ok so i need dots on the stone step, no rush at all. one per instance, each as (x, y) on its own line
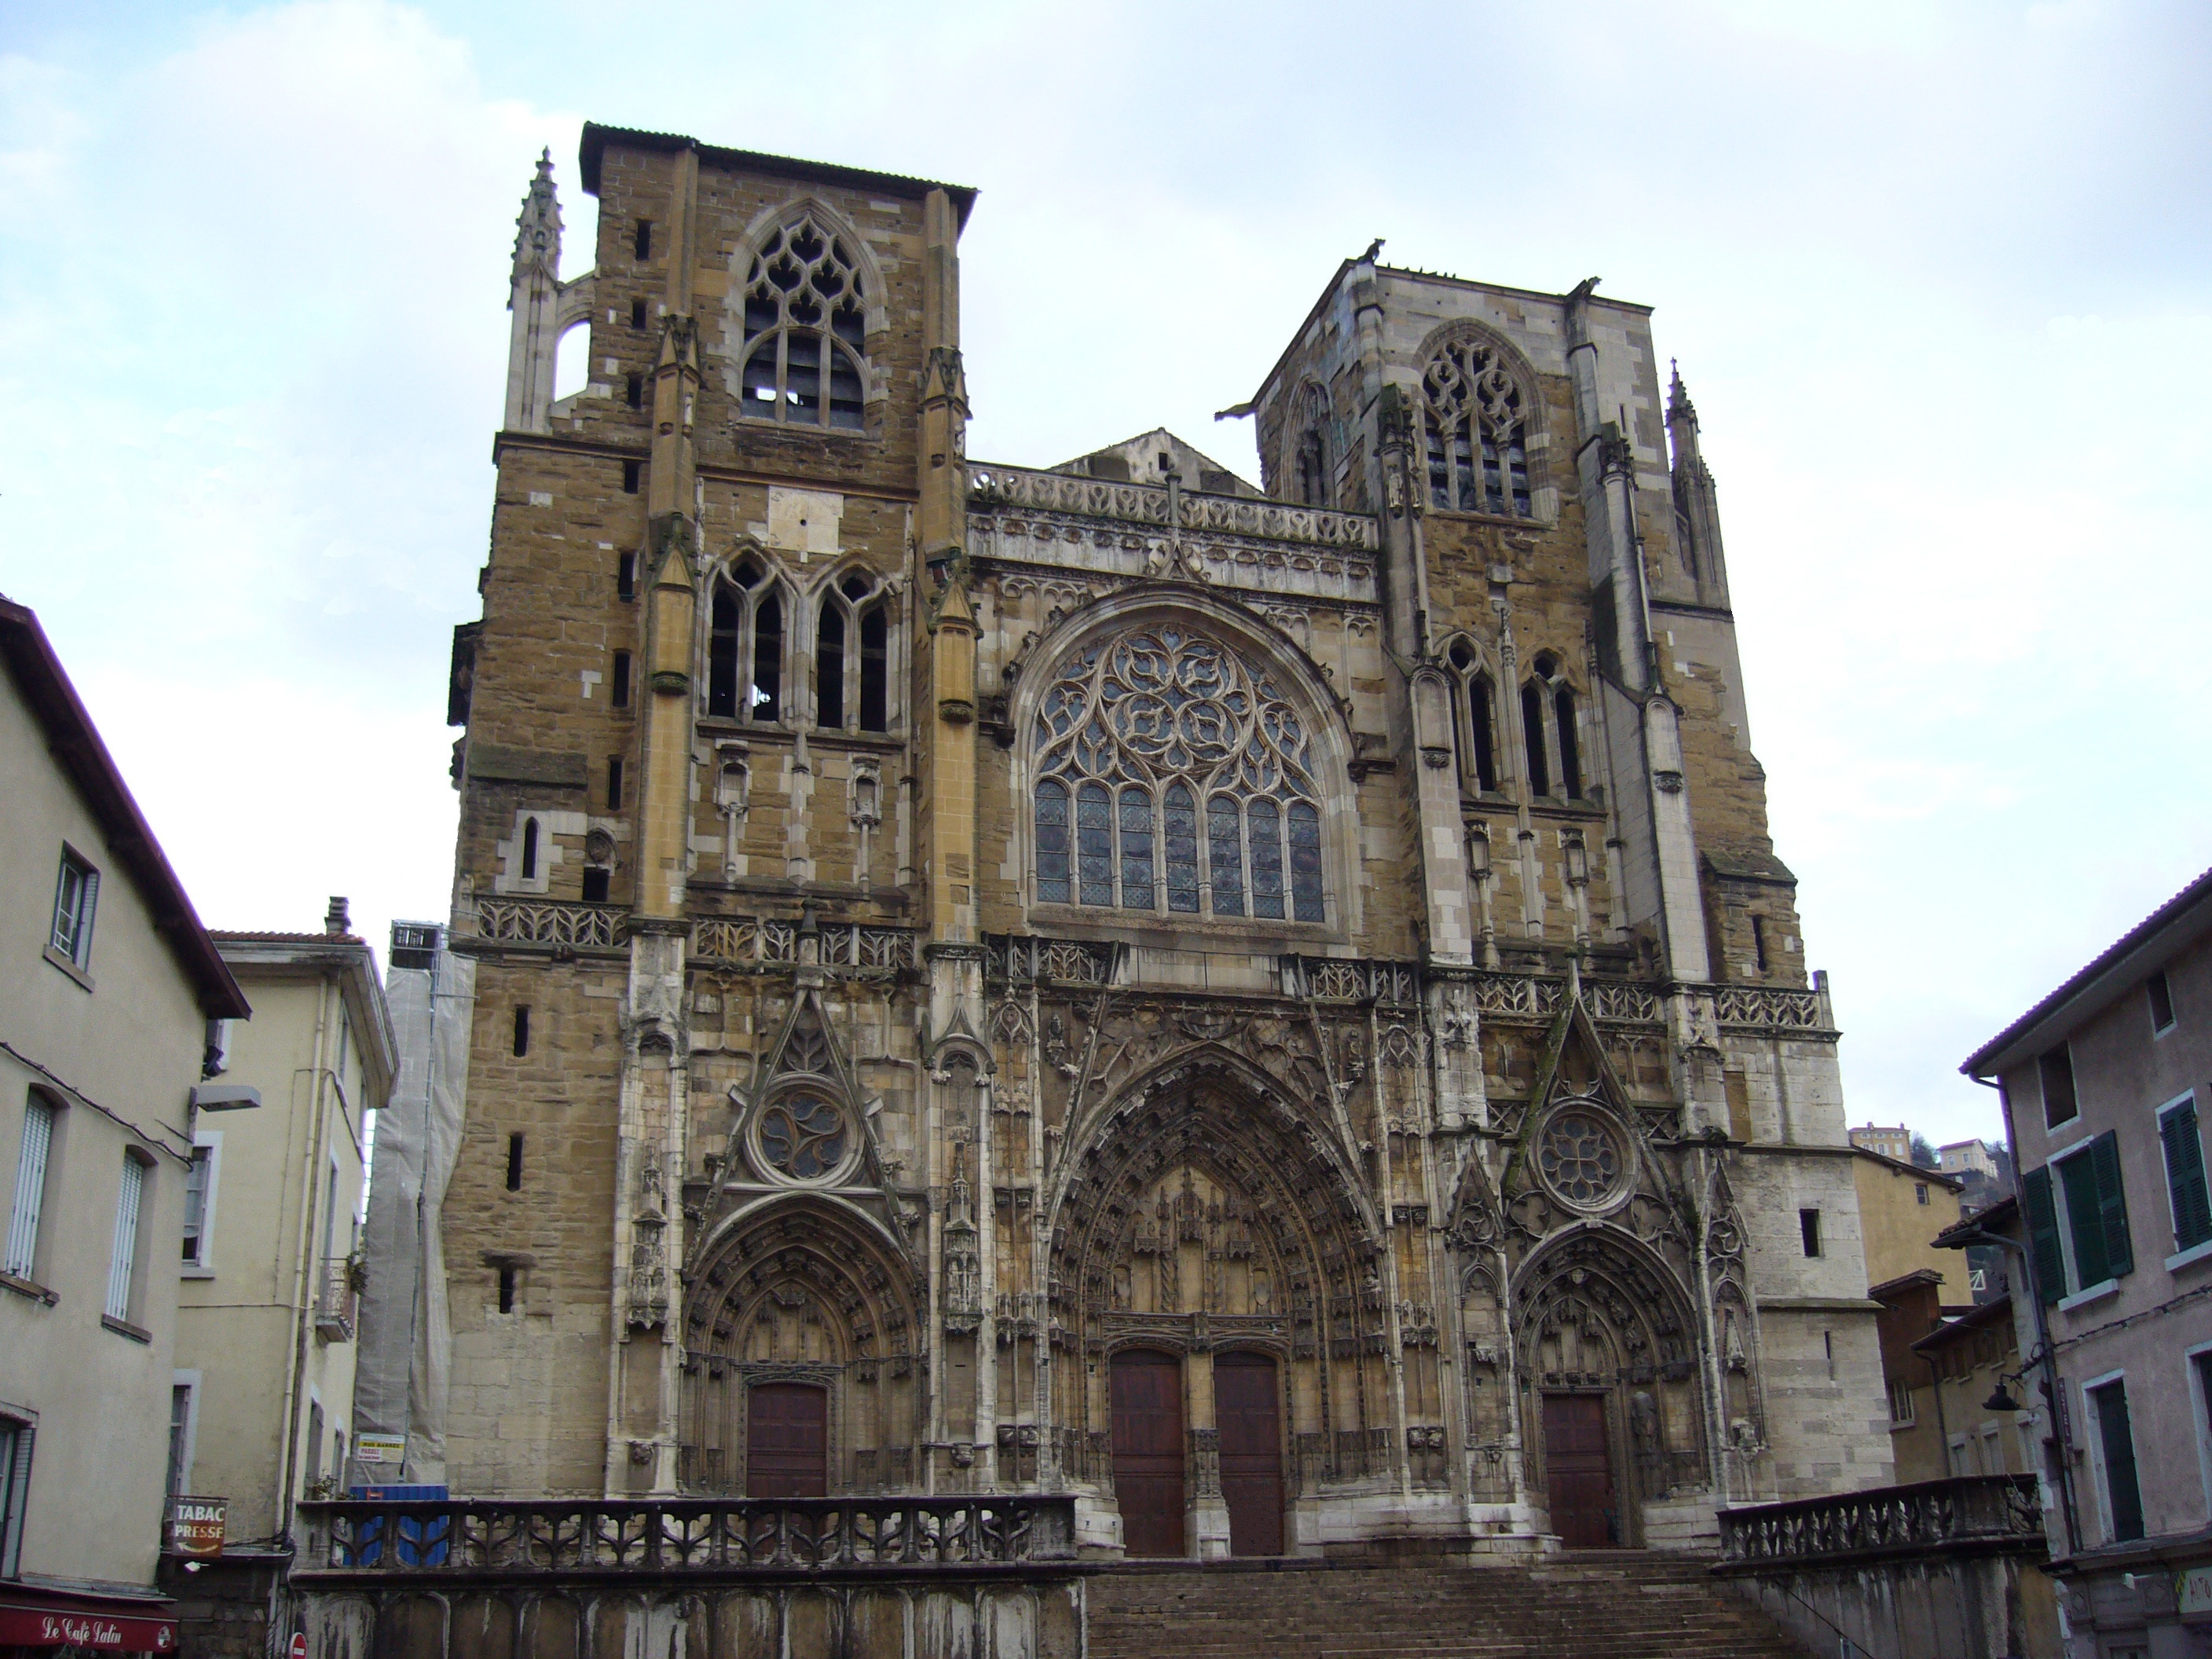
(1620, 1606)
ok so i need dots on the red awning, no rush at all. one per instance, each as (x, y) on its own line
(85, 1621)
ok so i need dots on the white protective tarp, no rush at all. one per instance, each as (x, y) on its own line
(406, 1335)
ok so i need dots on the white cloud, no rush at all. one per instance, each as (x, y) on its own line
(1935, 276)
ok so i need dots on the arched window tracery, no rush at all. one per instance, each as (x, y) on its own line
(851, 656)
(1476, 421)
(1550, 730)
(1478, 699)
(805, 360)
(1140, 731)
(745, 646)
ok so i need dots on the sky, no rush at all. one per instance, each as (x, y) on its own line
(1937, 275)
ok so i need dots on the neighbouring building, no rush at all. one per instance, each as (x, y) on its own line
(270, 1269)
(1271, 1009)
(1942, 1365)
(2099, 1083)
(109, 985)
(1902, 1207)
(1890, 1142)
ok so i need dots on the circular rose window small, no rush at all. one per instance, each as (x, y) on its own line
(1580, 1159)
(803, 1137)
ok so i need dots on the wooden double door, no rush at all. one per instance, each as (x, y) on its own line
(1150, 1451)
(787, 1440)
(1578, 1472)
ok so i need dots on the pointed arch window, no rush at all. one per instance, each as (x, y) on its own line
(805, 332)
(1143, 735)
(1310, 458)
(1476, 420)
(1550, 727)
(745, 646)
(851, 656)
(1478, 713)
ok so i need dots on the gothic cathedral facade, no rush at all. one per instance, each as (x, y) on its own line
(1271, 1010)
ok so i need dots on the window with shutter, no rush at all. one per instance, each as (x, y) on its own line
(2116, 1447)
(2184, 1174)
(15, 1438)
(31, 1160)
(122, 1265)
(2036, 1201)
(2112, 1205)
(2085, 1219)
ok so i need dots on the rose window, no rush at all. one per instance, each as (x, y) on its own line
(1173, 773)
(1580, 1159)
(803, 1137)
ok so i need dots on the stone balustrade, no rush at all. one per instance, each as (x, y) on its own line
(1034, 491)
(1990, 1509)
(663, 1536)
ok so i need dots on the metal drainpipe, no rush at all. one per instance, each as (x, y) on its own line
(2050, 1367)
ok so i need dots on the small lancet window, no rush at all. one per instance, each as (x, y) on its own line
(829, 666)
(875, 669)
(744, 646)
(1532, 722)
(1475, 424)
(530, 849)
(805, 332)
(1481, 759)
(1571, 764)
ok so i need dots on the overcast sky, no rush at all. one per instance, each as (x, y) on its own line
(1937, 276)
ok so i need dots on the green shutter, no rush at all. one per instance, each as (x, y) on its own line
(2112, 1200)
(2185, 1176)
(2085, 1217)
(2043, 1234)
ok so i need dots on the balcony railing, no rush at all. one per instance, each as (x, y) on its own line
(336, 1300)
(1977, 1511)
(688, 1535)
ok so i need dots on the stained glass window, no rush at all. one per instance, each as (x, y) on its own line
(1142, 727)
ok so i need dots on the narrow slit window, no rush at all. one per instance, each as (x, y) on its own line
(1182, 827)
(626, 577)
(829, 666)
(1304, 822)
(1758, 943)
(614, 783)
(632, 476)
(634, 391)
(1094, 844)
(637, 318)
(618, 687)
(1570, 762)
(722, 656)
(1808, 1230)
(767, 660)
(506, 1289)
(1225, 856)
(522, 1030)
(1532, 722)
(1482, 718)
(642, 239)
(1052, 847)
(530, 849)
(1136, 850)
(595, 884)
(875, 669)
(514, 1164)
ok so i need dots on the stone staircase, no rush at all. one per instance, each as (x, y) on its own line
(1614, 1604)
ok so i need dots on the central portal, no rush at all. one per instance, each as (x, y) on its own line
(1246, 1412)
(787, 1441)
(1148, 1451)
(1578, 1472)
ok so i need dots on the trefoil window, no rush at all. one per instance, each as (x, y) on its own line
(852, 657)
